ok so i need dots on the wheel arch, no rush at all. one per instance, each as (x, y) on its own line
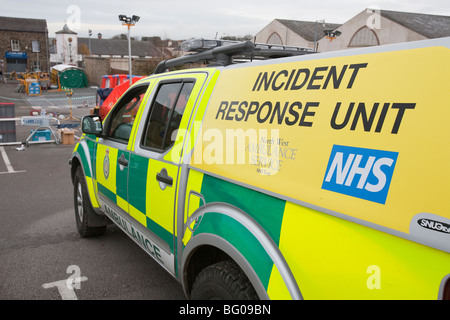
(222, 247)
(83, 156)
(77, 162)
(74, 162)
(206, 249)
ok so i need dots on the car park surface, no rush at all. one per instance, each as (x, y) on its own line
(39, 243)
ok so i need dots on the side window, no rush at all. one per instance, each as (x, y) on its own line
(122, 118)
(15, 45)
(166, 114)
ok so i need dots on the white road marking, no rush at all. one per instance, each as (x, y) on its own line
(6, 159)
(66, 287)
(66, 292)
(7, 162)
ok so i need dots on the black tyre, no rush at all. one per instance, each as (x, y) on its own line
(223, 281)
(83, 208)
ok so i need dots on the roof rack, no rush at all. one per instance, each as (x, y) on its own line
(225, 52)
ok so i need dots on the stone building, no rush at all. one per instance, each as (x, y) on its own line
(294, 33)
(373, 27)
(370, 27)
(116, 48)
(68, 48)
(24, 44)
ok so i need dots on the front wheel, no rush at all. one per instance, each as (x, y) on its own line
(83, 208)
(223, 281)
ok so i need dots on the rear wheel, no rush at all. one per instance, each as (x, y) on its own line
(223, 281)
(83, 209)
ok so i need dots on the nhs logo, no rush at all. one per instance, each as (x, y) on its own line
(360, 173)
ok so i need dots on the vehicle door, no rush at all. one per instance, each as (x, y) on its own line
(113, 155)
(154, 164)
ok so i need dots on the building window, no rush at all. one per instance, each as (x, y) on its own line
(15, 45)
(35, 46)
(274, 39)
(364, 37)
(36, 66)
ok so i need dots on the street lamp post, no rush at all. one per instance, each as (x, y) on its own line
(129, 22)
(90, 34)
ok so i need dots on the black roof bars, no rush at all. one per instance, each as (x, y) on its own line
(223, 54)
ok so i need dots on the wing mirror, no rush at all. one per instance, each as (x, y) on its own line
(92, 124)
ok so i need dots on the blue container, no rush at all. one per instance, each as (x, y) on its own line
(34, 88)
(41, 135)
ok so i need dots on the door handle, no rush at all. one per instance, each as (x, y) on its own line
(122, 161)
(163, 177)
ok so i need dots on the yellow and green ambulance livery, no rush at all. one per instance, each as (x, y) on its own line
(321, 176)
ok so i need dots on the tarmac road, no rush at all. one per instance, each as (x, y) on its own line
(39, 245)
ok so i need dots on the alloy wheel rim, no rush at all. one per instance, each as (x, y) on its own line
(80, 202)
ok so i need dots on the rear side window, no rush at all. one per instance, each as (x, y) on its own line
(166, 113)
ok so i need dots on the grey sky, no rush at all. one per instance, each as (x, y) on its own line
(181, 19)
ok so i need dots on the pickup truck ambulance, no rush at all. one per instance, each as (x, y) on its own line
(319, 176)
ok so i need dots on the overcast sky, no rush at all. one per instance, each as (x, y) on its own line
(182, 19)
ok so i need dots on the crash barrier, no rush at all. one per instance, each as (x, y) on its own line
(43, 131)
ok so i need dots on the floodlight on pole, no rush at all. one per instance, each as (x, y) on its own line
(90, 34)
(129, 22)
(332, 34)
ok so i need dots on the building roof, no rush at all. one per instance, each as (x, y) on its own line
(428, 25)
(309, 30)
(117, 47)
(23, 25)
(65, 30)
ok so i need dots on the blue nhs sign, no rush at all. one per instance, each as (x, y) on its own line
(361, 173)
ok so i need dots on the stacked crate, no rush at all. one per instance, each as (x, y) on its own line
(7, 123)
